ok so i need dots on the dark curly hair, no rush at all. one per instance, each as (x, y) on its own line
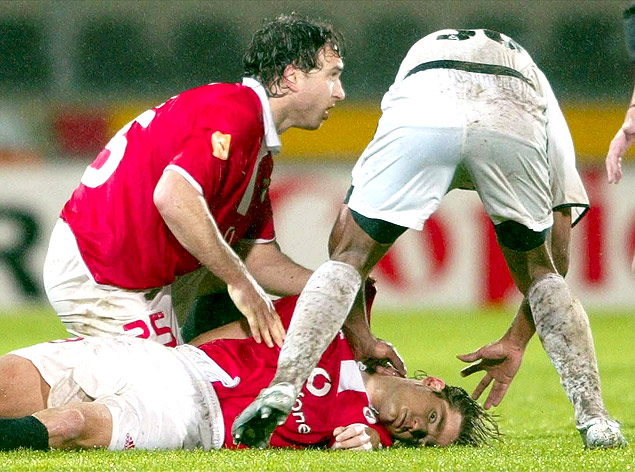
(478, 427)
(288, 40)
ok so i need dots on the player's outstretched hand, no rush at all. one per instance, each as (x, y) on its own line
(355, 437)
(257, 307)
(383, 357)
(500, 360)
(621, 143)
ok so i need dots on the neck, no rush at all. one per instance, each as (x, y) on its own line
(375, 387)
(280, 113)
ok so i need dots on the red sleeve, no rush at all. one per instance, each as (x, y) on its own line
(196, 159)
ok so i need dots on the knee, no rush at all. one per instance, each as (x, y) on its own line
(22, 389)
(548, 294)
(67, 427)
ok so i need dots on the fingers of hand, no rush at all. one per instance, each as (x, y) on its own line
(394, 359)
(263, 328)
(270, 327)
(399, 365)
(471, 369)
(483, 384)
(389, 369)
(278, 330)
(471, 357)
(353, 437)
(496, 395)
(254, 327)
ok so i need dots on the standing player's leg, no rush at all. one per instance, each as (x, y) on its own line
(563, 328)
(320, 312)
(513, 181)
(398, 182)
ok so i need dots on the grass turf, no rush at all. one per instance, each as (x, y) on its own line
(535, 416)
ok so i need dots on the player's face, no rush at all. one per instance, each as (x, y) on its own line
(416, 415)
(318, 90)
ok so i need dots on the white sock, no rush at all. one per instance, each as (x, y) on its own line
(319, 314)
(563, 328)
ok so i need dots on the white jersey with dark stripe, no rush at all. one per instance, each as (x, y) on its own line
(476, 45)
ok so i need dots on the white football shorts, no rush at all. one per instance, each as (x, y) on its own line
(87, 308)
(155, 398)
(443, 129)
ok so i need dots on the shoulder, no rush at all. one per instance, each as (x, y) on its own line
(219, 93)
(232, 105)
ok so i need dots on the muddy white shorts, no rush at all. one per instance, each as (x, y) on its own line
(156, 396)
(442, 129)
(87, 308)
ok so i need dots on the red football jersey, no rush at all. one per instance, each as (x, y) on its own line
(334, 395)
(212, 135)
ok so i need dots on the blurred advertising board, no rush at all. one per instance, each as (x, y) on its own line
(453, 262)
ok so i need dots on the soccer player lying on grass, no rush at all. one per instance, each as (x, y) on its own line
(123, 393)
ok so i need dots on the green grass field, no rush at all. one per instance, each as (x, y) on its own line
(536, 417)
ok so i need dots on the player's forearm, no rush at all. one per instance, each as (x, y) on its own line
(186, 214)
(356, 327)
(522, 328)
(275, 271)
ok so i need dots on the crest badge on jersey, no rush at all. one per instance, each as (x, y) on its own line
(220, 145)
(369, 415)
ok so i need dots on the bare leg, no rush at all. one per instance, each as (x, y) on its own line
(563, 328)
(319, 314)
(23, 391)
(81, 425)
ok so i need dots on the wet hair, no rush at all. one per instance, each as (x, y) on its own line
(288, 40)
(478, 427)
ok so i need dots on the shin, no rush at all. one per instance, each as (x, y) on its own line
(563, 328)
(320, 312)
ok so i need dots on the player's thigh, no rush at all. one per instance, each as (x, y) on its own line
(160, 410)
(23, 391)
(405, 172)
(354, 243)
(111, 312)
(150, 396)
(511, 177)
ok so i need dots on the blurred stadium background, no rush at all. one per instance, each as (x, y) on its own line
(73, 72)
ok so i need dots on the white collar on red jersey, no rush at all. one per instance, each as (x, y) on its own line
(272, 140)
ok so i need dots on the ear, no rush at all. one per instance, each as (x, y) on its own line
(433, 383)
(290, 77)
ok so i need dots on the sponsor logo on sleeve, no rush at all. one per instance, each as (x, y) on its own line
(369, 415)
(220, 145)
